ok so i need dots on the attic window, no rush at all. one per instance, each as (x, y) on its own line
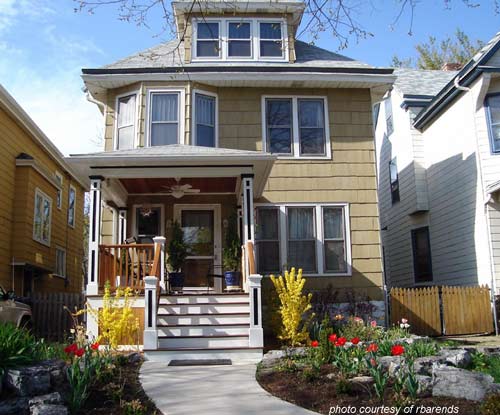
(239, 39)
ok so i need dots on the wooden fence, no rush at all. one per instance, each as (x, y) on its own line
(445, 310)
(50, 319)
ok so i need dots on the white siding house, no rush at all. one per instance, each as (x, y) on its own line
(443, 226)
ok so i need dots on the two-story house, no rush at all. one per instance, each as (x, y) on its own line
(438, 155)
(41, 209)
(235, 114)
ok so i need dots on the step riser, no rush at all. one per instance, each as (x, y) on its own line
(203, 308)
(205, 342)
(236, 356)
(173, 320)
(202, 331)
(220, 299)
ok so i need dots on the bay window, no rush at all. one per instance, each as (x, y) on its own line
(42, 218)
(164, 118)
(125, 122)
(493, 119)
(296, 126)
(315, 238)
(205, 115)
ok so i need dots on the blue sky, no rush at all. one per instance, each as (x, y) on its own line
(44, 44)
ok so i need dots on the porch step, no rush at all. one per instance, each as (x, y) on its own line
(206, 308)
(201, 342)
(238, 355)
(203, 330)
(204, 299)
(203, 319)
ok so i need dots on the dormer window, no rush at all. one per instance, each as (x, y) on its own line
(125, 122)
(239, 39)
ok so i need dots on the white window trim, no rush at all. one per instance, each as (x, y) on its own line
(72, 188)
(59, 179)
(255, 40)
(181, 112)
(38, 192)
(295, 127)
(136, 117)
(320, 264)
(56, 274)
(216, 119)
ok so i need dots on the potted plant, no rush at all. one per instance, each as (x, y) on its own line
(231, 256)
(177, 253)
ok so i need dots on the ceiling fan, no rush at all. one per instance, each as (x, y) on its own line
(178, 190)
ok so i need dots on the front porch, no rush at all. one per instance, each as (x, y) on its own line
(142, 194)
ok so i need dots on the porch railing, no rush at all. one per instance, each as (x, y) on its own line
(247, 263)
(126, 265)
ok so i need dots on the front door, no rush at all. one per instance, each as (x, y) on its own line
(201, 227)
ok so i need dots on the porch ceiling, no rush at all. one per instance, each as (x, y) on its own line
(205, 185)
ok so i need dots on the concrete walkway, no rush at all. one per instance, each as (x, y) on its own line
(210, 390)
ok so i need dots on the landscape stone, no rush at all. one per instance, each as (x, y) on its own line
(134, 357)
(456, 357)
(29, 380)
(390, 363)
(45, 409)
(423, 365)
(15, 406)
(361, 384)
(454, 382)
(49, 399)
(424, 386)
(272, 358)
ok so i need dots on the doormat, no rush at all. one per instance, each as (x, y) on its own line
(201, 362)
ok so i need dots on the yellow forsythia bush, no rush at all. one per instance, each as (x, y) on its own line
(116, 319)
(293, 307)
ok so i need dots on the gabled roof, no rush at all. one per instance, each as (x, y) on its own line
(421, 82)
(464, 78)
(171, 55)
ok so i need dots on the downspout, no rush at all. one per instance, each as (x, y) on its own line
(457, 85)
(90, 98)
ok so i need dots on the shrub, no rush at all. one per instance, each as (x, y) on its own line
(293, 308)
(356, 327)
(422, 349)
(486, 364)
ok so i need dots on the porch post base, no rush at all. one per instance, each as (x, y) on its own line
(150, 339)
(92, 289)
(256, 337)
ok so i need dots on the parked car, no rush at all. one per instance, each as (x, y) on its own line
(14, 311)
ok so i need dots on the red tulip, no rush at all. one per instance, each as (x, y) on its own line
(71, 349)
(397, 350)
(332, 338)
(341, 341)
(355, 340)
(372, 348)
(314, 343)
(95, 346)
(80, 352)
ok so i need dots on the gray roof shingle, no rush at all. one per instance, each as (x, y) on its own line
(421, 82)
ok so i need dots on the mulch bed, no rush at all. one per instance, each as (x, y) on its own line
(107, 397)
(321, 394)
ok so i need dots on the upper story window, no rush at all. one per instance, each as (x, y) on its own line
(71, 206)
(59, 179)
(239, 39)
(165, 117)
(394, 180)
(297, 126)
(42, 218)
(125, 122)
(205, 119)
(493, 111)
(388, 116)
(60, 262)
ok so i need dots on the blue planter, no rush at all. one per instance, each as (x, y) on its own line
(233, 279)
(176, 280)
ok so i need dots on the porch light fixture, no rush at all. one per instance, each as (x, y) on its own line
(146, 210)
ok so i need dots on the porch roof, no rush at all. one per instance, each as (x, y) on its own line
(176, 160)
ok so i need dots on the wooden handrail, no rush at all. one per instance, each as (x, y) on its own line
(251, 258)
(128, 246)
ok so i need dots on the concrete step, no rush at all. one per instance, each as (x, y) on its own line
(204, 299)
(208, 308)
(203, 330)
(203, 342)
(238, 355)
(205, 319)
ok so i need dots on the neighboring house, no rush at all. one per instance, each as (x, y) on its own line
(438, 150)
(237, 115)
(41, 209)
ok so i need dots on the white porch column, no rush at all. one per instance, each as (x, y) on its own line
(247, 211)
(256, 333)
(150, 331)
(122, 225)
(94, 235)
(160, 241)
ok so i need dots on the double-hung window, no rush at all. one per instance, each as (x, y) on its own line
(60, 262)
(59, 180)
(208, 40)
(388, 116)
(125, 122)
(42, 218)
(422, 263)
(164, 118)
(239, 40)
(314, 238)
(267, 240)
(271, 39)
(296, 126)
(493, 111)
(205, 115)
(394, 180)
(71, 206)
